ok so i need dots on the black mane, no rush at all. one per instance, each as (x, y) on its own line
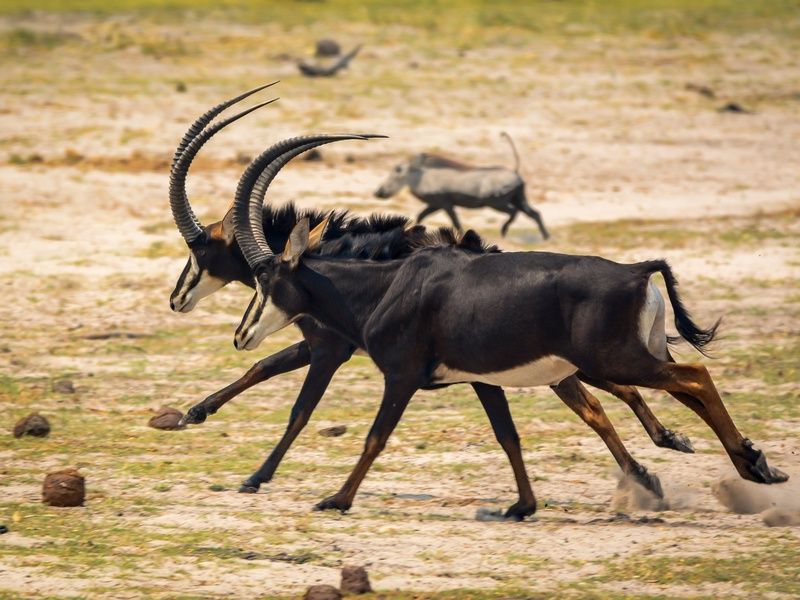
(376, 237)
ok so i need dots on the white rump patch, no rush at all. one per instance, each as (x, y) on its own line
(548, 370)
(652, 331)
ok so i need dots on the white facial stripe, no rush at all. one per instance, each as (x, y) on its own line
(196, 286)
(548, 370)
(262, 319)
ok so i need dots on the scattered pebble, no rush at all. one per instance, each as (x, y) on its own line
(328, 47)
(703, 90)
(322, 592)
(34, 424)
(64, 386)
(734, 107)
(64, 488)
(180, 87)
(334, 431)
(3, 529)
(355, 580)
(215, 487)
(314, 155)
(167, 418)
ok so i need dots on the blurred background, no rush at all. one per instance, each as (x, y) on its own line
(645, 130)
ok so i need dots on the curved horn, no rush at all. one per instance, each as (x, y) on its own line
(188, 224)
(247, 215)
(208, 116)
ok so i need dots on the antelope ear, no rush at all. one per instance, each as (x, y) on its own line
(316, 234)
(297, 244)
(227, 226)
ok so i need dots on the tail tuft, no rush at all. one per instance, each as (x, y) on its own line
(698, 337)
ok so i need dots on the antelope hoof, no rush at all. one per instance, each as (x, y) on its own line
(757, 468)
(648, 481)
(195, 415)
(333, 503)
(249, 486)
(675, 441)
(519, 510)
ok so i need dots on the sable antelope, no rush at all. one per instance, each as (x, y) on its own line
(451, 314)
(215, 260)
(317, 70)
(443, 184)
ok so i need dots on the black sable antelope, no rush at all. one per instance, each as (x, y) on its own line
(452, 313)
(215, 260)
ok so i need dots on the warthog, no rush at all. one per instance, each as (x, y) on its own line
(443, 184)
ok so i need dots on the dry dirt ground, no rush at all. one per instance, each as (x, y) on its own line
(620, 158)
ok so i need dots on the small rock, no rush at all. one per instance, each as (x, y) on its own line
(3, 529)
(349, 159)
(703, 90)
(180, 87)
(64, 386)
(243, 158)
(166, 418)
(313, 155)
(355, 580)
(215, 487)
(34, 424)
(334, 431)
(734, 107)
(322, 592)
(328, 47)
(780, 517)
(64, 488)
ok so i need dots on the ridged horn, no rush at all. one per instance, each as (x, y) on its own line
(247, 212)
(188, 224)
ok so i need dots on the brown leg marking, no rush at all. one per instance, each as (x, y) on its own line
(589, 409)
(661, 436)
(495, 404)
(692, 385)
(396, 396)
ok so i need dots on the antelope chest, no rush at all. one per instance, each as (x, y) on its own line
(548, 370)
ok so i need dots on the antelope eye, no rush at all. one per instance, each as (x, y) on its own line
(200, 252)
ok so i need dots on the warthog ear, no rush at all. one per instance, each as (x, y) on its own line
(297, 244)
(316, 234)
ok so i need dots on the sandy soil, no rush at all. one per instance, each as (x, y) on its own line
(612, 146)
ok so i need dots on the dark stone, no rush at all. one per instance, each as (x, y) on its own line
(180, 87)
(322, 592)
(703, 90)
(34, 424)
(64, 386)
(3, 529)
(64, 488)
(355, 580)
(736, 108)
(328, 47)
(166, 418)
(334, 431)
(313, 155)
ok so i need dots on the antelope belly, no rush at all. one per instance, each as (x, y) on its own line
(547, 370)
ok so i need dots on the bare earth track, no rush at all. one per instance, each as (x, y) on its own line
(620, 158)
